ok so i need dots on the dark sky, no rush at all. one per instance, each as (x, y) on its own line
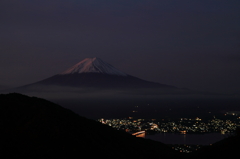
(185, 43)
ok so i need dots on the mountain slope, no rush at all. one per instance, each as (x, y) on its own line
(99, 80)
(35, 128)
(93, 72)
(226, 148)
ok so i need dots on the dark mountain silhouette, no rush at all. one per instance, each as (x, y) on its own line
(31, 127)
(93, 72)
(226, 148)
(99, 80)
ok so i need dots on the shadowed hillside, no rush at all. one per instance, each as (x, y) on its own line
(227, 148)
(35, 128)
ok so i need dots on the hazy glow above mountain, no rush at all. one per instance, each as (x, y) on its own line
(93, 65)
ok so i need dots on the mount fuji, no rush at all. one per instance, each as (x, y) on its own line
(95, 73)
(96, 89)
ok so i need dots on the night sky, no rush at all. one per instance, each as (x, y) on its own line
(191, 44)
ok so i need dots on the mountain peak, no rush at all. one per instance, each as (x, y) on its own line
(93, 65)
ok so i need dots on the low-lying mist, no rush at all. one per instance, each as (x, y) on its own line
(140, 103)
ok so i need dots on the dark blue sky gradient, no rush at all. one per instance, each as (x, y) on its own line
(187, 43)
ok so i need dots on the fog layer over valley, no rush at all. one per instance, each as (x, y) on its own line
(141, 103)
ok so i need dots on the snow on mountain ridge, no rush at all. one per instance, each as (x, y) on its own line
(93, 65)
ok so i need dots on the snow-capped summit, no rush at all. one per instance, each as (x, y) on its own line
(93, 65)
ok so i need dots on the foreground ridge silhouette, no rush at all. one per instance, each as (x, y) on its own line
(226, 148)
(31, 127)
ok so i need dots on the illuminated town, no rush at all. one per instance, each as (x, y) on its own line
(183, 125)
(140, 127)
